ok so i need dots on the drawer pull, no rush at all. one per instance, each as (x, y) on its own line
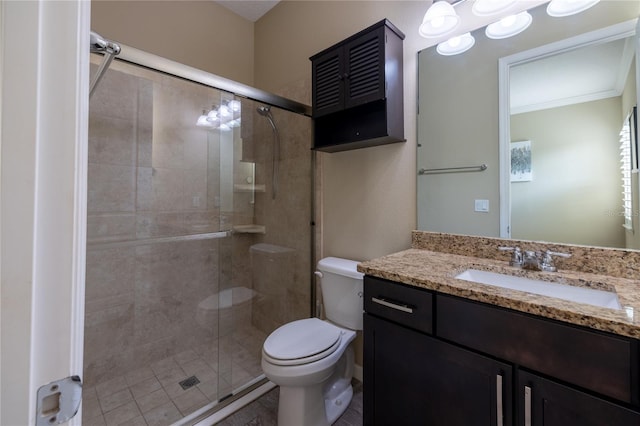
(399, 307)
(527, 406)
(500, 413)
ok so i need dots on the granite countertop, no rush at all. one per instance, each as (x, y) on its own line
(434, 270)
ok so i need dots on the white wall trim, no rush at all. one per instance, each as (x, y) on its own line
(603, 35)
(44, 142)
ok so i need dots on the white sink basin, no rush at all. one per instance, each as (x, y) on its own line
(605, 299)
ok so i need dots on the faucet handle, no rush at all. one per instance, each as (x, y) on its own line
(547, 260)
(516, 258)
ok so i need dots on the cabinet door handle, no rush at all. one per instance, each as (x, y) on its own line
(397, 306)
(499, 409)
(527, 406)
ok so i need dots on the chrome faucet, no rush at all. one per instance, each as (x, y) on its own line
(546, 264)
(533, 260)
(516, 257)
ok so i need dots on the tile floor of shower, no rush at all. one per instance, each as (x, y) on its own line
(152, 395)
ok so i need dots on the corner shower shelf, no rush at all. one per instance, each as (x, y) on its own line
(248, 187)
(250, 229)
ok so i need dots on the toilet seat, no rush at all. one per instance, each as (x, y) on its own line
(301, 342)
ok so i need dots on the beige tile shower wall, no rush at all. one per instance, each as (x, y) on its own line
(148, 163)
(201, 34)
(281, 273)
(368, 195)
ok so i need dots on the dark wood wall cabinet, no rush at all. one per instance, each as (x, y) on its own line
(440, 360)
(358, 91)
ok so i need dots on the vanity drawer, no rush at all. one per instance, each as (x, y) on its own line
(409, 306)
(601, 362)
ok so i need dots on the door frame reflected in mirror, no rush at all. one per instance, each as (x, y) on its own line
(604, 35)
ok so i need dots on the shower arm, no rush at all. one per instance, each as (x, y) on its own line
(109, 49)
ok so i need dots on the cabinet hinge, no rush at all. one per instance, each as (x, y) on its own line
(58, 401)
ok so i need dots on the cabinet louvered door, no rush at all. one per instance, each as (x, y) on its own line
(364, 73)
(328, 78)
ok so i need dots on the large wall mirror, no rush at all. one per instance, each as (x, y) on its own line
(554, 98)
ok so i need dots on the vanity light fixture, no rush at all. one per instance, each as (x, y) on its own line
(223, 117)
(441, 19)
(456, 45)
(509, 26)
(560, 8)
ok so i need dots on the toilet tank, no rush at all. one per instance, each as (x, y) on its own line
(341, 286)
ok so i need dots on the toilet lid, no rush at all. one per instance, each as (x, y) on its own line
(302, 339)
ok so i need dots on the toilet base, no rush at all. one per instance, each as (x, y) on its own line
(300, 407)
(336, 406)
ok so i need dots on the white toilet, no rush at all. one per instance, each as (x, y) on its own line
(312, 360)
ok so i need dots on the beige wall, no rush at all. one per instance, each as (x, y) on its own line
(201, 34)
(368, 195)
(576, 175)
(459, 117)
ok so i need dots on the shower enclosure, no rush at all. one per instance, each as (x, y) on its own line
(199, 242)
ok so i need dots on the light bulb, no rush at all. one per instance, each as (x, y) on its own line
(202, 120)
(224, 111)
(234, 105)
(437, 22)
(508, 21)
(509, 26)
(456, 45)
(560, 8)
(440, 19)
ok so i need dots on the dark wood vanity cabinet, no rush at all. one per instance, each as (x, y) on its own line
(357, 90)
(436, 359)
(414, 379)
(543, 402)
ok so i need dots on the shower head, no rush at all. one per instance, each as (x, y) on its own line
(264, 111)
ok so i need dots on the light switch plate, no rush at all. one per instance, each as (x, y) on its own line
(482, 206)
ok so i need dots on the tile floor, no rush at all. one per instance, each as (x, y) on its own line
(152, 395)
(264, 411)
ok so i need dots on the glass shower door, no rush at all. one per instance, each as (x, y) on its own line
(160, 211)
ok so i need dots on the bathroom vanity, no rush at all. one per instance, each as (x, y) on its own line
(440, 350)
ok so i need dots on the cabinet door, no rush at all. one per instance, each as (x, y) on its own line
(413, 379)
(365, 68)
(328, 82)
(542, 402)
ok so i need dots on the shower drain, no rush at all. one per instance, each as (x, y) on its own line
(189, 382)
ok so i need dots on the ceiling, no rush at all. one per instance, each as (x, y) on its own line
(586, 74)
(249, 9)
